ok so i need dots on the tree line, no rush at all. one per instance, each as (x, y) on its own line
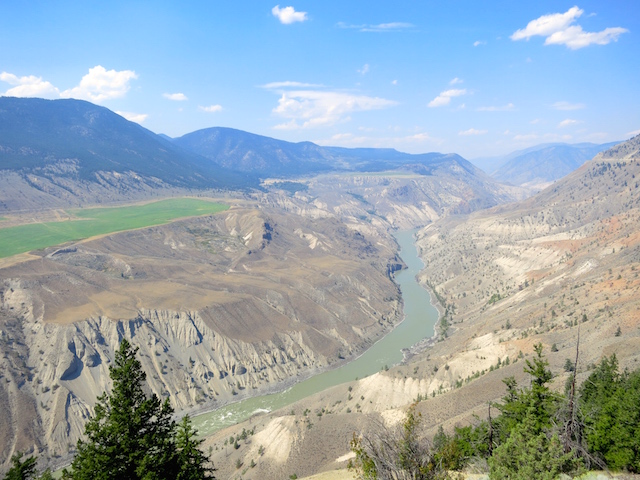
(535, 432)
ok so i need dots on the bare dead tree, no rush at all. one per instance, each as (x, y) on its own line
(570, 424)
(573, 427)
(395, 453)
(490, 432)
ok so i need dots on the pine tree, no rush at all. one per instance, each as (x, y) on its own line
(21, 470)
(131, 435)
(529, 453)
(610, 408)
(192, 462)
(528, 447)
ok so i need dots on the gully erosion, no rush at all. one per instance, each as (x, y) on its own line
(420, 317)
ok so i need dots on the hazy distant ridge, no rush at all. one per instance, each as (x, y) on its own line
(250, 153)
(540, 165)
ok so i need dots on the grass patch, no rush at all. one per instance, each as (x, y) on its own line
(89, 222)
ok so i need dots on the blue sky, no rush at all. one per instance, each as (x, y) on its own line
(474, 77)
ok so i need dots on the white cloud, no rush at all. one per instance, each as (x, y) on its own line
(445, 97)
(568, 106)
(387, 27)
(477, 43)
(456, 81)
(634, 133)
(30, 86)
(313, 108)
(394, 82)
(380, 27)
(574, 38)
(290, 84)
(96, 86)
(101, 84)
(558, 30)
(473, 131)
(421, 137)
(177, 97)
(133, 117)
(568, 122)
(535, 121)
(548, 24)
(364, 70)
(210, 108)
(493, 108)
(288, 15)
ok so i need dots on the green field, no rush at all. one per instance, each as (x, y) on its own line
(89, 222)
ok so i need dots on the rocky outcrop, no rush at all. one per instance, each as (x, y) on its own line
(64, 368)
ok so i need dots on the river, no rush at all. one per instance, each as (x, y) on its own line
(419, 321)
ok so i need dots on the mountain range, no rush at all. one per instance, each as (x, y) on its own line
(540, 165)
(265, 156)
(65, 140)
(37, 134)
(56, 153)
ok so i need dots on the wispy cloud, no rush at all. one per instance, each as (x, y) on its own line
(133, 117)
(473, 131)
(568, 122)
(364, 70)
(96, 86)
(494, 108)
(477, 43)
(210, 108)
(314, 108)
(445, 97)
(288, 15)
(568, 106)
(176, 97)
(380, 27)
(634, 133)
(558, 29)
(290, 84)
(456, 81)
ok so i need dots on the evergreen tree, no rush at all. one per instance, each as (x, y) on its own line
(529, 453)
(193, 463)
(21, 470)
(610, 407)
(528, 447)
(25, 470)
(537, 401)
(131, 435)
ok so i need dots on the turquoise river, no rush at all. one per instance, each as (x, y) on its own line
(420, 317)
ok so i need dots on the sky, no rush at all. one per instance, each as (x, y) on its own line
(478, 78)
